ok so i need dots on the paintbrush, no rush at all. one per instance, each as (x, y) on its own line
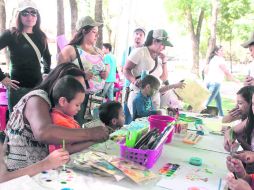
(64, 168)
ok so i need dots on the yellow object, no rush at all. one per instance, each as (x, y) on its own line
(194, 94)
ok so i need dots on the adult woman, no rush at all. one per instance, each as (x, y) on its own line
(214, 75)
(240, 112)
(30, 128)
(149, 58)
(82, 51)
(27, 44)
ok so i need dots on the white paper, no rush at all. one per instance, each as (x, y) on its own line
(21, 183)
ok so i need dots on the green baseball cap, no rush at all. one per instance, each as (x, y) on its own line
(87, 21)
(162, 35)
(249, 42)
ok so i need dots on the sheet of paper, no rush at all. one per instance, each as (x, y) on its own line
(194, 94)
(21, 183)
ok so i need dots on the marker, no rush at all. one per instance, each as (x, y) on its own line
(64, 149)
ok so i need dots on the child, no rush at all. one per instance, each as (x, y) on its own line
(110, 60)
(68, 94)
(53, 160)
(111, 114)
(142, 103)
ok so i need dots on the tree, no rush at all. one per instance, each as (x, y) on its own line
(74, 15)
(60, 19)
(98, 18)
(212, 38)
(230, 12)
(192, 12)
(3, 16)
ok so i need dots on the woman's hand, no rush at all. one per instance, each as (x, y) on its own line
(249, 81)
(7, 82)
(99, 134)
(235, 165)
(56, 159)
(180, 85)
(235, 113)
(229, 143)
(238, 184)
(245, 156)
(163, 58)
(89, 75)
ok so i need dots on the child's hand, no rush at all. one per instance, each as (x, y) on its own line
(57, 158)
(245, 156)
(238, 184)
(235, 165)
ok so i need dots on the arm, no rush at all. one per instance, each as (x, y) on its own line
(172, 86)
(67, 54)
(127, 71)
(37, 114)
(47, 60)
(227, 73)
(233, 115)
(164, 75)
(53, 160)
(77, 147)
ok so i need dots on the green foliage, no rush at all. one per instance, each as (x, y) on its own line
(230, 12)
(176, 9)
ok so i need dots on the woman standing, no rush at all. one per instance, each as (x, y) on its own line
(150, 59)
(82, 51)
(27, 44)
(214, 75)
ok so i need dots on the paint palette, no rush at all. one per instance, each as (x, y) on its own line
(57, 178)
(168, 169)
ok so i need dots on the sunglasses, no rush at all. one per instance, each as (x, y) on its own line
(26, 13)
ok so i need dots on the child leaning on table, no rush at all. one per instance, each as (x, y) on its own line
(54, 160)
(112, 115)
(142, 103)
(68, 94)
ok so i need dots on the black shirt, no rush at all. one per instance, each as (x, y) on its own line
(25, 66)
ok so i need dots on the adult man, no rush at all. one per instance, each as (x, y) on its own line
(138, 41)
(249, 80)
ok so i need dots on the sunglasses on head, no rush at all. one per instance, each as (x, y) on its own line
(26, 13)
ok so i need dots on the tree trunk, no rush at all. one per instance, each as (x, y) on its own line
(74, 15)
(195, 38)
(212, 39)
(60, 19)
(98, 18)
(3, 16)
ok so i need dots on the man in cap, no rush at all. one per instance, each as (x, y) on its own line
(138, 41)
(249, 80)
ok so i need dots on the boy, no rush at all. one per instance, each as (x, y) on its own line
(111, 114)
(142, 104)
(110, 60)
(68, 94)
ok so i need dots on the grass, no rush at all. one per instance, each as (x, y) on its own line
(227, 104)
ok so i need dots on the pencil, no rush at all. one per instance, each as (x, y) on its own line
(219, 184)
(64, 149)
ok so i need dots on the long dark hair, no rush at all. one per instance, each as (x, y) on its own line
(57, 73)
(214, 52)
(249, 125)
(79, 36)
(36, 29)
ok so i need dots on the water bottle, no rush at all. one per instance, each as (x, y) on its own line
(143, 74)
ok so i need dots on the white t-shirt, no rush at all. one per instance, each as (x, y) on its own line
(142, 59)
(215, 73)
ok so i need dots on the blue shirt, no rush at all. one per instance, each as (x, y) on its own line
(142, 106)
(126, 53)
(111, 61)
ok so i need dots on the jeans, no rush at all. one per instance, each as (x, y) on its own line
(214, 88)
(108, 90)
(15, 95)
